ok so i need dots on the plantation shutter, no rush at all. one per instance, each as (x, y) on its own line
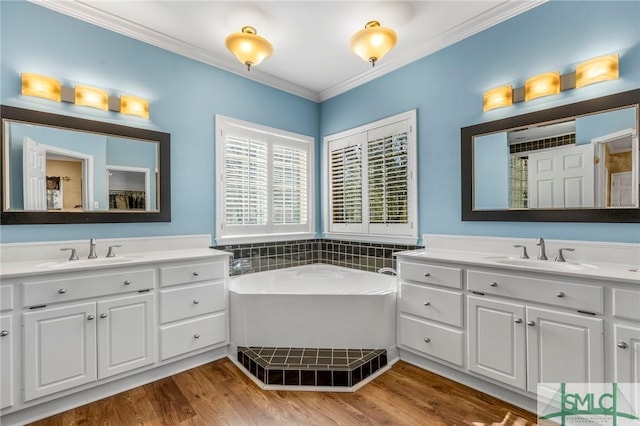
(346, 184)
(289, 177)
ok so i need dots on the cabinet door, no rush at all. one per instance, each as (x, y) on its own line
(59, 349)
(497, 340)
(6, 361)
(627, 354)
(125, 334)
(563, 347)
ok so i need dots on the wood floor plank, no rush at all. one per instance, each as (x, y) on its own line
(220, 394)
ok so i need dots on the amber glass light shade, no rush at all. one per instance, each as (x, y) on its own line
(92, 97)
(596, 70)
(41, 86)
(498, 97)
(132, 105)
(249, 47)
(542, 85)
(373, 42)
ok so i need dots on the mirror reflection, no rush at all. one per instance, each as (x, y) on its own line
(54, 169)
(588, 161)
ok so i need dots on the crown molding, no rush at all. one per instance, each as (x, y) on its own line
(87, 13)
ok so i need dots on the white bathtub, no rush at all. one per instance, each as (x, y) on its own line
(314, 306)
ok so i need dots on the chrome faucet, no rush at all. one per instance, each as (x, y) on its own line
(560, 257)
(541, 253)
(92, 249)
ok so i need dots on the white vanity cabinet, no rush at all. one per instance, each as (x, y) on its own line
(7, 333)
(86, 338)
(625, 344)
(430, 306)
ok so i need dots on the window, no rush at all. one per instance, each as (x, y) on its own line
(265, 183)
(370, 190)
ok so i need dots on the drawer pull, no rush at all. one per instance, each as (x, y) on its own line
(493, 284)
(531, 323)
(559, 294)
(127, 282)
(518, 320)
(427, 340)
(4, 333)
(196, 336)
(622, 345)
(195, 274)
(62, 291)
(195, 302)
(427, 303)
(103, 315)
(427, 274)
(91, 317)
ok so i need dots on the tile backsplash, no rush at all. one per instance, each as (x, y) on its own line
(256, 257)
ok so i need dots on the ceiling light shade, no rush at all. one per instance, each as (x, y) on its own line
(132, 105)
(498, 97)
(249, 47)
(41, 86)
(542, 85)
(596, 70)
(373, 42)
(92, 96)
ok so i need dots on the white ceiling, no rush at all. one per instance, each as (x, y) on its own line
(310, 38)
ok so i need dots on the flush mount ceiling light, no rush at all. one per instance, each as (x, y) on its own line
(249, 47)
(373, 42)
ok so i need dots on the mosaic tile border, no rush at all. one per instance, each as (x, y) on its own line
(311, 366)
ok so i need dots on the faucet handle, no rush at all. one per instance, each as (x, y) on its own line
(559, 256)
(74, 255)
(524, 254)
(111, 252)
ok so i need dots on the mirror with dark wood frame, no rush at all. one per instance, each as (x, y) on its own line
(572, 163)
(62, 169)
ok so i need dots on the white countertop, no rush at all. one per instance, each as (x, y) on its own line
(48, 266)
(591, 270)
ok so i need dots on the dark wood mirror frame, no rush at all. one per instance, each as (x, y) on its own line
(626, 215)
(79, 124)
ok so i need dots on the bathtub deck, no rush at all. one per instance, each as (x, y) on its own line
(311, 366)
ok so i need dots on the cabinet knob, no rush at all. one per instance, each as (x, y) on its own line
(4, 333)
(621, 345)
(531, 323)
(559, 294)
(195, 302)
(91, 317)
(196, 336)
(427, 274)
(427, 340)
(62, 291)
(427, 303)
(195, 274)
(103, 315)
(493, 284)
(518, 320)
(127, 282)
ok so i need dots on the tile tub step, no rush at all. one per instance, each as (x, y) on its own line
(311, 366)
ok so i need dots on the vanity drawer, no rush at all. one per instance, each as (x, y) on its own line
(191, 273)
(435, 340)
(6, 298)
(180, 303)
(626, 304)
(191, 335)
(430, 274)
(571, 296)
(439, 305)
(82, 287)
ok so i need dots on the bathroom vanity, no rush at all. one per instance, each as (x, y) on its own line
(502, 324)
(74, 331)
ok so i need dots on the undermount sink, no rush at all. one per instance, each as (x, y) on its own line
(542, 264)
(82, 263)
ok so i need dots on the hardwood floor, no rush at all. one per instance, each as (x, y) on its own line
(220, 394)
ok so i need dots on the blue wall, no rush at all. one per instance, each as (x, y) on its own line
(491, 172)
(597, 125)
(447, 86)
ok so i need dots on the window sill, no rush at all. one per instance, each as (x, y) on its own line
(245, 239)
(386, 239)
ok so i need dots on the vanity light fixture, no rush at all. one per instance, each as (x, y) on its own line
(588, 72)
(49, 88)
(373, 42)
(249, 47)
(542, 85)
